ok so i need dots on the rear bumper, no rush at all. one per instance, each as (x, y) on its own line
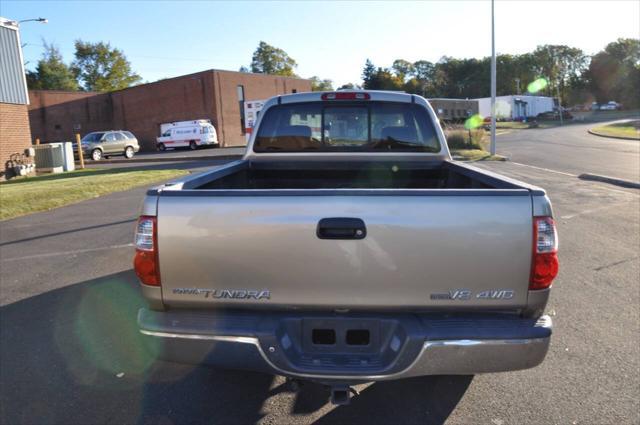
(401, 345)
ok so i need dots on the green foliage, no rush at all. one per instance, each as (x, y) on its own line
(628, 129)
(367, 73)
(614, 73)
(403, 69)
(51, 72)
(559, 64)
(380, 78)
(102, 68)
(271, 60)
(321, 85)
(562, 68)
(423, 70)
(27, 195)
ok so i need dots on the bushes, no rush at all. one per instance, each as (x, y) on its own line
(466, 139)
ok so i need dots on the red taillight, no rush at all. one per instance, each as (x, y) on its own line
(346, 96)
(544, 263)
(145, 262)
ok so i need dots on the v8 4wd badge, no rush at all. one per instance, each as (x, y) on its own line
(465, 295)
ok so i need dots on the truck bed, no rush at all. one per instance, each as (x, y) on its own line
(378, 175)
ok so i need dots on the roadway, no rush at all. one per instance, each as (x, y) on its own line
(70, 350)
(572, 150)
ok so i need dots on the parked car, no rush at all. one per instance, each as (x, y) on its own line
(101, 144)
(610, 106)
(554, 115)
(190, 134)
(347, 247)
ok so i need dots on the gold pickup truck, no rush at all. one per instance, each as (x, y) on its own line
(346, 247)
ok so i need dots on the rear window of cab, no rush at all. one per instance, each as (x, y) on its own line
(346, 127)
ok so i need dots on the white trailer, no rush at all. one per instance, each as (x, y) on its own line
(252, 110)
(516, 106)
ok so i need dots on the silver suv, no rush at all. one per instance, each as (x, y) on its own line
(101, 144)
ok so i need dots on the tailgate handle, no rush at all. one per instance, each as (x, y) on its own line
(341, 228)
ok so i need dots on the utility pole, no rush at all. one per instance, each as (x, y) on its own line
(493, 81)
(518, 86)
(559, 102)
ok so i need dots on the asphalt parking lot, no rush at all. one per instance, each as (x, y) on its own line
(71, 353)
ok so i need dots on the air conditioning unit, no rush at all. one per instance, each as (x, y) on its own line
(50, 157)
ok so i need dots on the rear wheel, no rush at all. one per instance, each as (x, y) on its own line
(128, 152)
(192, 145)
(162, 147)
(96, 154)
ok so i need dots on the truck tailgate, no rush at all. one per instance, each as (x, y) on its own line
(419, 252)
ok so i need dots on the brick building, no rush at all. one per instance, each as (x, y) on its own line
(14, 119)
(214, 94)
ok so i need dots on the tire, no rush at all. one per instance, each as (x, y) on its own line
(192, 145)
(96, 154)
(162, 147)
(128, 152)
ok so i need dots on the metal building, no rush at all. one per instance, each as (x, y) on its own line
(454, 110)
(15, 135)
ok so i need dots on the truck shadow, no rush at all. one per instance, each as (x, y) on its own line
(422, 400)
(74, 355)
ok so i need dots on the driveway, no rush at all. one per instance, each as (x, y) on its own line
(71, 352)
(572, 150)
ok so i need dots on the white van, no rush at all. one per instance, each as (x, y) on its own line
(186, 133)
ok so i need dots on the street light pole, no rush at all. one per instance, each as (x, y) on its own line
(559, 102)
(493, 81)
(43, 20)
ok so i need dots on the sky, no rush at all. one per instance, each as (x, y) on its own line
(329, 39)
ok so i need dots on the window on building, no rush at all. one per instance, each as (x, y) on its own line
(240, 89)
(57, 127)
(294, 91)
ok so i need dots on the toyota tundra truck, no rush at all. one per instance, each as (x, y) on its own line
(346, 247)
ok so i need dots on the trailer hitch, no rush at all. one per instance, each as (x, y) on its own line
(341, 394)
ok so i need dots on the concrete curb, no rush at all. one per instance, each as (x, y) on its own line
(611, 180)
(612, 137)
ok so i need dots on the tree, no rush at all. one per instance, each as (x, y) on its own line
(102, 68)
(349, 86)
(368, 73)
(558, 63)
(271, 60)
(243, 69)
(403, 69)
(379, 78)
(321, 85)
(614, 73)
(51, 72)
(423, 70)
